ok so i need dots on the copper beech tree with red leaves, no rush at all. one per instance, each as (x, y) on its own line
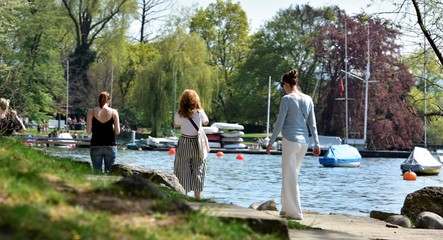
(390, 124)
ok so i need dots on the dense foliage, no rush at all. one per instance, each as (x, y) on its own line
(390, 82)
(45, 43)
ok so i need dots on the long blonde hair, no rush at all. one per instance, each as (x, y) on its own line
(189, 103)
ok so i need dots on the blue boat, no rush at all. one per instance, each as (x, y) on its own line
(341, 156)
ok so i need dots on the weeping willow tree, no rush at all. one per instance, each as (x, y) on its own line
(182, 64)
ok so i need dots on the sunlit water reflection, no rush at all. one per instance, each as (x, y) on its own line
(376, 185)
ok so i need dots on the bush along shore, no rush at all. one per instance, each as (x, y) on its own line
(45, 197)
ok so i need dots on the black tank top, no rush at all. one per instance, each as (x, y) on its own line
(103, 133)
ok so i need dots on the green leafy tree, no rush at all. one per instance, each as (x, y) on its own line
(138, 57)
(224, 26)
(10, 12)
(90, 19)
(390, 125)
(434, 94)
(182, 63)
(35, 80)
(282, 44)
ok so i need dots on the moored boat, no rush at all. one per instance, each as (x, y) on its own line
(64, 140)
(421, 162)
(153, 143)
(225, 135)
(341, 156)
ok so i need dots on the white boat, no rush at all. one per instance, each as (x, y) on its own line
(234, 146)
(341, 156)
(162, 142)
(64, 137)
(421, 162)
(326, 141)
(214, 144)
(225, 135)
(211, 130)
(228, 126)
(232, 139)
(232, 134)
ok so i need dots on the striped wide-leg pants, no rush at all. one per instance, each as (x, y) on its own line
(188, 167)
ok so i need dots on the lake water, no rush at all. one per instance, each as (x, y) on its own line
(377, 185)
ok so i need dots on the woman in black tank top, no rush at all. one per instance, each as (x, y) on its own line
(103, 122)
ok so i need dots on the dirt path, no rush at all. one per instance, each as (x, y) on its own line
(335, 226)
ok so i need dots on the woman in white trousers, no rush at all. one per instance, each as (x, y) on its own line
(296, 122)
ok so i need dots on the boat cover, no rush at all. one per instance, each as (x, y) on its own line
(340, 155)
(420, 160)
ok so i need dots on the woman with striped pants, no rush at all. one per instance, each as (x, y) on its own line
(189, 168)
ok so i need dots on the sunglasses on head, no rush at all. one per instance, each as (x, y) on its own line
(282, 84)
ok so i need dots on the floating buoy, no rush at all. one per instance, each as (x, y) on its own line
(171, 151)
(220, 154)
(140, 148)
(240, 157)
(409, 175)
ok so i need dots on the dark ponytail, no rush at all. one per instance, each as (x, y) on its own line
(103, 98)
(291, 77)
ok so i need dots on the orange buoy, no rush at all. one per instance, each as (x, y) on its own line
(240, 157)
(220, 154)
(140, 148)
(409, 175)
(171, 151)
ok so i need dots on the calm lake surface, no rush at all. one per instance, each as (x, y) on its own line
(377, 185)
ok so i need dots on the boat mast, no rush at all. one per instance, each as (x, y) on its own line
(67, 94)
(368, 74)
(112, 84)
(346, 81)
(425, 78)
(175, 101)
(269, 107)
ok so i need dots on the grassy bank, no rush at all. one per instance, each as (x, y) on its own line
(44, 197)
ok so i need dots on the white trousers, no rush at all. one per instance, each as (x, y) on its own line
(292, 157)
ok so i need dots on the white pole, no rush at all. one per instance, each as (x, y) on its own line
(67, 94)
(269, 107)
(346, 82)
(368, 74)
(112, 84)
(425, 79)
(175, 100)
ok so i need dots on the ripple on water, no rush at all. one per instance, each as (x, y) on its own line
(376, 185)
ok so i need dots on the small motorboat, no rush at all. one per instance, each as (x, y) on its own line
(64, 140)
(152, 143)
(343, 155)
(421, 162)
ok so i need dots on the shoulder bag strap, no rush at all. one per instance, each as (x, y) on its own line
(193, 123)
(306, 121)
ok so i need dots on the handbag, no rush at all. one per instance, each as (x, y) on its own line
(203, 143)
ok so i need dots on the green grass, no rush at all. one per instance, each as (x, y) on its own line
(41, 198)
